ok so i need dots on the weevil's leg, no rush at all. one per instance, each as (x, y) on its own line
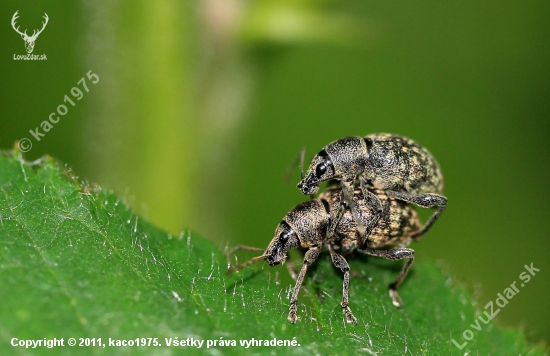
(373, 203)
(348, 191)
(340, 262)
(292, 271)
(311, 255)
(394, 255)
(290, 266)
(347, 201)
(428, 200)
(336, 216)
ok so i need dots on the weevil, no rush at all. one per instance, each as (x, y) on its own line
(306, 226)
(400, 166)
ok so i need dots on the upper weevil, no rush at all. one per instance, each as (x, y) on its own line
(400, 166)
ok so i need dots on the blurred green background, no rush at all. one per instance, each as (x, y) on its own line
(202, 106)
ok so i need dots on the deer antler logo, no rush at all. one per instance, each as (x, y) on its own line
(29, 40)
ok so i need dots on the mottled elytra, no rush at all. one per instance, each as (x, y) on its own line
(306, 226)
(400, 166)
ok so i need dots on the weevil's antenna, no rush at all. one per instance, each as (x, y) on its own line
(246, 264)
(302, 156)
(243, 247)
(298, 160)
(302, 174)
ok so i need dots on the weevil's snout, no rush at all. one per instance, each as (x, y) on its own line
(272, 260)
(320, 170)
(275, 253)
(309, 184)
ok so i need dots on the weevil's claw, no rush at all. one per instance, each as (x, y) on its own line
(350, 318)
(292, 317)
(395, 298)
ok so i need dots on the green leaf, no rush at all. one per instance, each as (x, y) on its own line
(75, 262)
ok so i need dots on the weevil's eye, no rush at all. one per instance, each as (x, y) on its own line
(284, 236)
(322, 167)
(286, 233)
(320, 170)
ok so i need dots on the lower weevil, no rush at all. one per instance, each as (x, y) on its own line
(306, 226)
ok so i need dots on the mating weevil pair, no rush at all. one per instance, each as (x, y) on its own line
(393, 171)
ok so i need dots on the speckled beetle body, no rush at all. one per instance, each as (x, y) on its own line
(307, 224)
(397, 221)
(400, 166)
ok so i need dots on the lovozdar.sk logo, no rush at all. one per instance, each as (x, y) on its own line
(29, 40)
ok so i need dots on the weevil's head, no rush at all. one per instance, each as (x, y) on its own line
(345, 158)
(303, 226)
(321, 169)
(285, 239)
